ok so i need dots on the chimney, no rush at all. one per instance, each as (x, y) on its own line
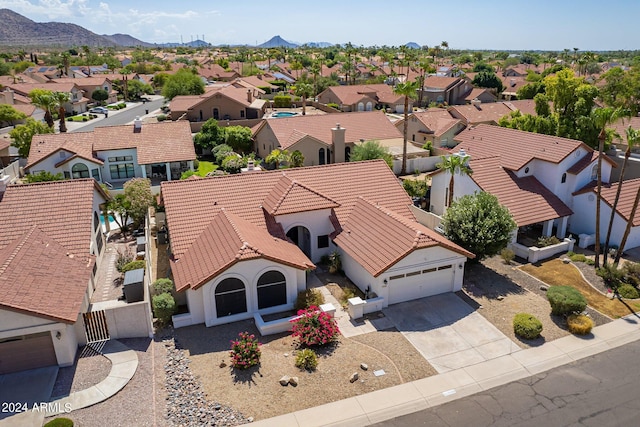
(250, 165)
(8, 97)
(338, 141)
(463, 154)
(512, 82)
(137, 124)
(476, 103)
(249, 96)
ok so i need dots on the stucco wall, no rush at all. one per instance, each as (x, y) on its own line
(318, 224)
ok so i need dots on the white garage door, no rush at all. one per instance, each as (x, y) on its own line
(420, 283)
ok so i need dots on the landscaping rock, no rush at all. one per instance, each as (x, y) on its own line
(293, 381)
(544, 288)
(284, 381)
(364, 366)
(500, 297)
(354, 377)
(223, 365)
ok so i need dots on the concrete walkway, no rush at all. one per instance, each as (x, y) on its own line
(124, 363)
(406, 398)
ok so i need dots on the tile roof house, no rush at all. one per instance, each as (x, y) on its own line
(315, 136)
(213, 71)
(89, 84)
(50, 246)
(363, 97)
(533, 175)
(434, 125)
(115, 154)
(479, 112)
(221, 103)
(445, 90)
(77, 102)
(235, 254)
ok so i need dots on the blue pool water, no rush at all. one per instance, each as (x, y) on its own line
(110, 218)
(284, 114)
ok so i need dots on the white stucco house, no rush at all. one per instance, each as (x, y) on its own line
(50, 247)
(116, 154)
(244, 244)
(535, 176)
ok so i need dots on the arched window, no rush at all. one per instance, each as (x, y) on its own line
(347, 154)
(80, 170)
(594, 173)
(272, 289)
(360, 106)
(231, 297)
(321, 157)
(564, 178)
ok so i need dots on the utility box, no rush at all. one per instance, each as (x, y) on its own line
(133, 286)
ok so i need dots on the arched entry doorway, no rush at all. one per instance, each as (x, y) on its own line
(302, 238)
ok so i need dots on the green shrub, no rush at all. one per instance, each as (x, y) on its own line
(85, 119)
(314, 327)
(245, 351)
(579, 324)
(566, 300)
(335, 264)
(133, 265)
(590, 261)
(347, 293)
(70, 119)
(122, 105)
(547, 241)
(162, 286)
(282, 101)
(507, 255)
(628, 291)
(123, 257)
(577, 257)
(161, 117)
(527, 326)
(60, 422)
(196, 164)
(163, 307)
(308, 298)
(307, 359)
(611, 275)
(631, 271)
(333, 105)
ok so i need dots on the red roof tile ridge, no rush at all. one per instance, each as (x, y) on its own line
(25, 237)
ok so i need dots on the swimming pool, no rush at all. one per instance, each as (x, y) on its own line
(283, 114)
(111, 219)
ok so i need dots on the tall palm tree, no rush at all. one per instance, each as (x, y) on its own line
(277, 157)
(408, 90)
(60, 99)
(455, 163)
(633, 138)
(303, 90)
(601, 119)
(43, 99)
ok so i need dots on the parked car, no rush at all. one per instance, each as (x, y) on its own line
(99, 110)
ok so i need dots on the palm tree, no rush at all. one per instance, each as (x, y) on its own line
(455, 163)
(60, 99)
(277, 156)
(296, 159)
(602, 118)
(44, 99)
(633, 138)
(408, 90)
(304, 90)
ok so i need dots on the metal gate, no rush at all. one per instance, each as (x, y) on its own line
(95, 326)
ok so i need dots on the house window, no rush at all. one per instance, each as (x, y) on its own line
(594, 173)
(446, 196)
(445, 267)
(272, 289)
(99, 242)
(526, 170)
(95, 174)
(413, 137)
(216, 114)
(80, 170)
(564, 178)
(399, 276)
(67, 175)
(231, 297)
(122, 171)
(347, 154)
(321, 157)
(242, 114)
(120, 159)
(323, 241)
(429, 270)
(96, 221)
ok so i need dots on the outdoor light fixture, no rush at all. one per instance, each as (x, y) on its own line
(58, 335)
(460, 266)
(385, 281)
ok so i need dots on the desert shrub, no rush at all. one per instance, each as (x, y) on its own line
(577, 257)
(566, 300)
(70, 119)
(308, 298)
(161, 117)
(307, 359)
(579, 324)
(122, 105)
(163, 307)
(611, 275)
(347, 293)
(162, 286)
(133, 265)
(245, 351)
(314, 327)
(123, 257)
(60, 422)
(333, 105)
(282, 101)
(85, 119)
(527, 326)
(196, 164)
(507, 255)
(547, 241)
(628, 291)
(335, 264)
(631, 272)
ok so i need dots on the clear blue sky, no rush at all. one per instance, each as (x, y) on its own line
(464, 24)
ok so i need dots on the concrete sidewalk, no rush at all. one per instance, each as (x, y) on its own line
(406, 398)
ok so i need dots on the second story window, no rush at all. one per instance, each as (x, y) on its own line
(564, 178)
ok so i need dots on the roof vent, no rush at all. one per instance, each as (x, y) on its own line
(137, 124)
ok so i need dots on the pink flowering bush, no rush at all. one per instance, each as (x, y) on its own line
(245, 351)
(314, 327)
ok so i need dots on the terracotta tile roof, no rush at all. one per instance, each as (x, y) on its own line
(512, 84)
(526, 198)
(476, 92)
(351, 94)
(361, 125)
(627, 196)
(515, 147)
(227, 240)
(94, 80)
(525, 106)
(155, 142)
(185, 102)
(192, 204)
(437, 120)
(77, 143)
(289, 196)
(39, 276)
(237, 94)
(20, 78)
(377, 238)
(621, 127)
(584, 162)
(489, 112)
(26, 109)
(63, 210)
(437, 82)
(25, 88)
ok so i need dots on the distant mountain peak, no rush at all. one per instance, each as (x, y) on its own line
(277, 41)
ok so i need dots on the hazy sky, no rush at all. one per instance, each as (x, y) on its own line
(464, 24)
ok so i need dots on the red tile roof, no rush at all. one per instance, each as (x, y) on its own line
(621, 128)
(361, 125)
(377, 238)
(438, 82)
(476, 92)
(526, 198)
(79, 143)
(437, 120)
(39, 276)
(289, 196)
(63, 210)
(628, 193)
(488, 112)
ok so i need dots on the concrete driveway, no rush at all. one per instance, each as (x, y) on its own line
(26, 388)
(448, 332)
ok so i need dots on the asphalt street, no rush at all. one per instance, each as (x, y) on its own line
(122, 117)
(599, 391)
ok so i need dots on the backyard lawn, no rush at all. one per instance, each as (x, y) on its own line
(205, 167)
(557, 273)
